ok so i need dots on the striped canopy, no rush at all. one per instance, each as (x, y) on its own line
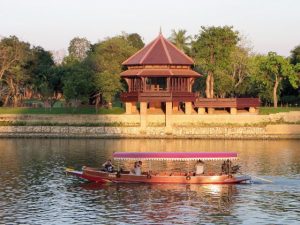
(173, 156)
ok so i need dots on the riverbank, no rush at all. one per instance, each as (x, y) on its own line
(280, 131)
(242, 126)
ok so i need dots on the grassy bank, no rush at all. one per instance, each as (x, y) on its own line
(272, 110)
(26, 123)
(87, 110)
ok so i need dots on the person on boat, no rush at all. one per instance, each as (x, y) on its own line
(199, 167)
(137, 168)
(226, 166)
(108, 166)
(223, 168)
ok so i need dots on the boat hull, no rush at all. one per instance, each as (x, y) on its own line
(104, 177)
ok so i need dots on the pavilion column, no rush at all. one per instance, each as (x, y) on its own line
(233, 111)
(152, 105)
(252, 110)
(175, 106)
(168, 114)
(210, 110)
(133, 107)
(188, 108)
(201, 110)
(128, 107)
(143, 113)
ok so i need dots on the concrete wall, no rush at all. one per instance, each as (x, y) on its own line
(268, 132)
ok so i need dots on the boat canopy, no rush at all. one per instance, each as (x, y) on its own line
(175, 156)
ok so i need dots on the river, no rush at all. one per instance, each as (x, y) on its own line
(35, 190)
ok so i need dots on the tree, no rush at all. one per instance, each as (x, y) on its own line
(181, 40)
(240, 66)
(78, 48)
(76, 83)
(274, 69)
(108, 85)
(135, 40)
(212, 50)
(105, 59)
(14, 55)
(295, 56)
(40, 68)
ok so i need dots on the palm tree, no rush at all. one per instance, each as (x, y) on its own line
(181, 40)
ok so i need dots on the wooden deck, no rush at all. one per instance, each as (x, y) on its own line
(239, 103)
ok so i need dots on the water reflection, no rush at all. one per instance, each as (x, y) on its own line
(34, 189)
(159, 202)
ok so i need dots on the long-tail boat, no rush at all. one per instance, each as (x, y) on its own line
(226, 176)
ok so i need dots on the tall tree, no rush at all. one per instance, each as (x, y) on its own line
(14, 55)
(135, 40)
(106, 60)
(181, 40)
(40, 68)
(77, 83)
(275, 68)
(78, 48)
(295, 55)
(212, 49)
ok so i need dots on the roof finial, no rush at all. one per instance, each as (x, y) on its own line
(160, 32)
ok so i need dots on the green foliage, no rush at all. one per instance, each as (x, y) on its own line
(108, 84)
(78, 48)
(14, 56)
(181, 40)
(77, 83)
(295, 56)
(135, 40)
(270, 71)
(105, 60)
(40, 68)
(212, 51)
(213, 47)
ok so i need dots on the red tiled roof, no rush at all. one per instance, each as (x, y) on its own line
(159, 52)
(160, 72)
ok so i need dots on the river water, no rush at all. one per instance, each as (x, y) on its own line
(35, 190)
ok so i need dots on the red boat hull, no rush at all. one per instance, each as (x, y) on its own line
(94, 175)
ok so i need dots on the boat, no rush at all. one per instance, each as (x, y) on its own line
(122, 176)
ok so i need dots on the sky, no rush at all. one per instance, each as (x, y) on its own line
(267, 25)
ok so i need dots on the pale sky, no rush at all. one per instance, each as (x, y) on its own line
(270, 25)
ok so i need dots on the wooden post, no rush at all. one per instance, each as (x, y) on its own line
(175, 106)
(128, 107)
(152, 105)
(188, 108)
(133, 107)
(201, 111)
(233, 111)
(168, 114)
(210, 110)
(252, 110)
(143, 114)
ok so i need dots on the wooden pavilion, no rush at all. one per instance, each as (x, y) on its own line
(159, 76)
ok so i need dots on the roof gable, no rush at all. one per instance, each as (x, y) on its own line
(159, 52)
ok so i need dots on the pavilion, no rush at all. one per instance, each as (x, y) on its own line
(159, 76)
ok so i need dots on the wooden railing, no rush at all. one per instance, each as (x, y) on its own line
(158, 96)
(167, 96)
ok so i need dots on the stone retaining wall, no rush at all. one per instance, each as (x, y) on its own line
(156, 119)
(268, 132)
